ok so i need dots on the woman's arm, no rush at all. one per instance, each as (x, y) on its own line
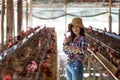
(72, 49)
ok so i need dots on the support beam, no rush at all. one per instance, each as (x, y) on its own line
(26, 14)
(19, 15)
(110, 17)
(2, 22)
(65, 10)
(119, 19)
(10, 18)
(30, 17)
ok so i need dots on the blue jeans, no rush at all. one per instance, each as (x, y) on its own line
(74, 70)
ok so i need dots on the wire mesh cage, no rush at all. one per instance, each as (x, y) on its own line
(25, 62)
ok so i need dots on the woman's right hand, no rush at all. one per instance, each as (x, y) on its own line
(66, 40)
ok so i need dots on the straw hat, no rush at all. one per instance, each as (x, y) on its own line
(75, 22)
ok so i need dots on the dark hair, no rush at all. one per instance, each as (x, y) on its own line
(82, 33)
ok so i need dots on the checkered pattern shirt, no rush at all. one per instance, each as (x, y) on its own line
(80, 42)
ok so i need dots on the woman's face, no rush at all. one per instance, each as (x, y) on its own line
(76, 30)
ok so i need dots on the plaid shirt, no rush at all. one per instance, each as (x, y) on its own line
(80, 42)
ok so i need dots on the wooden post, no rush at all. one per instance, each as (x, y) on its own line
(2, 22)
(10, 18)
(26, 13)
(110, 17)
(20, 15)
(30, 18)
(94, 72)
(65, 10)
(81, 1)
(96, 2)
(119, 20)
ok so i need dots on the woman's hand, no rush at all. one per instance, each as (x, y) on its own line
(66, 40)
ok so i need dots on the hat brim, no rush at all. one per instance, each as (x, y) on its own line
(70, 26)
(77, 25)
